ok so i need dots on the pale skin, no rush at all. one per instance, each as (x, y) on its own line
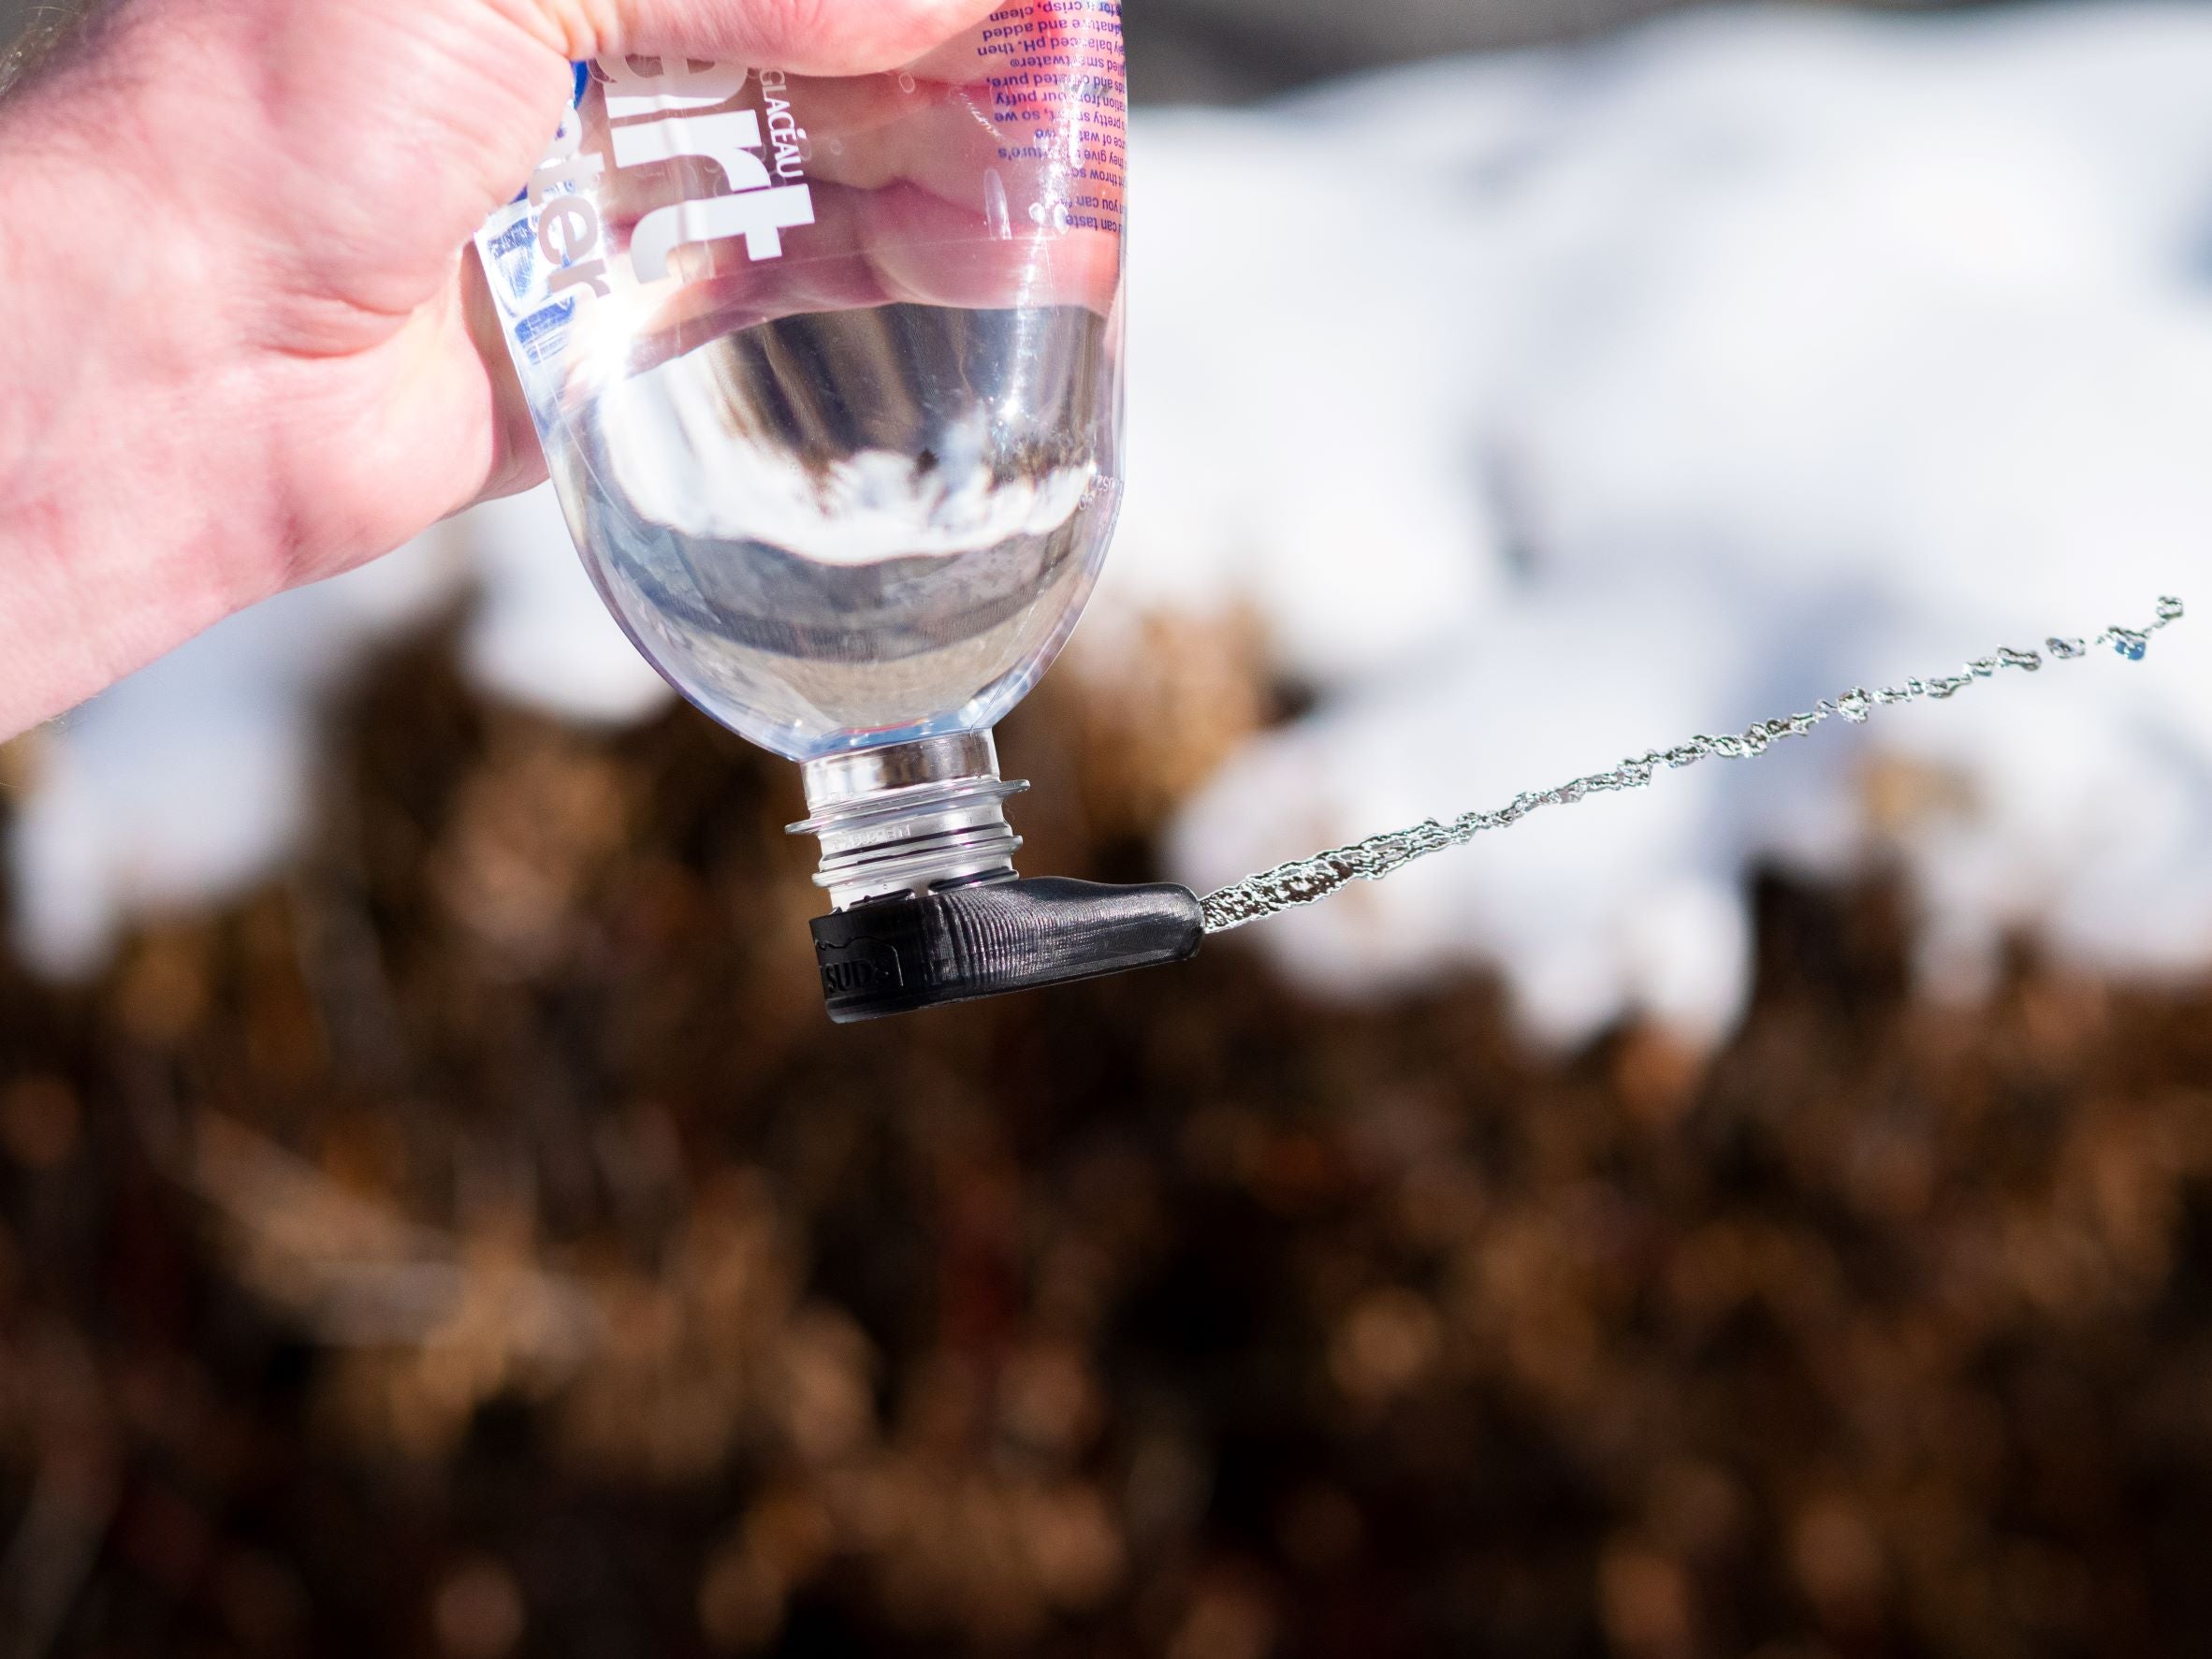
(240, 347)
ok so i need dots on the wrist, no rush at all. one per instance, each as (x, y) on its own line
(124, 414)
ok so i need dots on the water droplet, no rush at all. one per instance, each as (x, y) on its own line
(2067, 650)
(2134, 646)
(2015, 658)
(2171, 609)
(1855, 705)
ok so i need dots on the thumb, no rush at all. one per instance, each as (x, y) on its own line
(810, 36)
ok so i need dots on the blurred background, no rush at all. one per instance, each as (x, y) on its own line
(1771, 1214)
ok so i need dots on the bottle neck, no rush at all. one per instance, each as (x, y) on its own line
(911, 818)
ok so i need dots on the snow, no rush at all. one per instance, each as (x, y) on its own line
(1542, 408)
(538, 634)
(191, 780)
(1837, 349)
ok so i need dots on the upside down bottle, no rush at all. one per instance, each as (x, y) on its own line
(829, 378)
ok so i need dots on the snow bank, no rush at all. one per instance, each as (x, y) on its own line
(1543, 408)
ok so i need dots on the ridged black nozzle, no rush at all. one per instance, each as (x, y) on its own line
(900, 956)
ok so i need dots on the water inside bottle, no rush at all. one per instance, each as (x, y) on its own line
(853, 526)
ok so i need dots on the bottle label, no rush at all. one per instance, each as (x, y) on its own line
(552, 250)
(1059, 81)
(678, 190)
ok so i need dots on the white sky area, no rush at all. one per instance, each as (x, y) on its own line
(1544, 408)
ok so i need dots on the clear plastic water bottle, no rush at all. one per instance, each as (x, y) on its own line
(829, 378)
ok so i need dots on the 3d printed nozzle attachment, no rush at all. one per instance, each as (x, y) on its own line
(918, 859)
(899, 955)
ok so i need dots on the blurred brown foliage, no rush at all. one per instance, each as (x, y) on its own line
(479, 1245)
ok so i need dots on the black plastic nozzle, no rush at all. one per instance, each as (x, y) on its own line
(900, 956)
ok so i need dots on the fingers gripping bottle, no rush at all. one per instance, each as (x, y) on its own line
(829, 378)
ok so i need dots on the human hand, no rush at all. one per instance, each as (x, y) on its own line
(249, 353)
